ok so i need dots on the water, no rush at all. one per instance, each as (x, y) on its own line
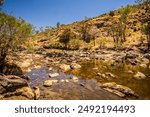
(121, 71)
(88, 76)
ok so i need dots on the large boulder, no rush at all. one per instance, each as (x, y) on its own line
(25, 91)
(14, 87)
(11, 83)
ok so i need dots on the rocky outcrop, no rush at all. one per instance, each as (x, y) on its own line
(11, 86)
(119, 90)
(11, 83)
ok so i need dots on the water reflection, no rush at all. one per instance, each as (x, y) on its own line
(124, 75)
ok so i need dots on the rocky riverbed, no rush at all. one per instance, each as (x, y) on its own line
(99, 74)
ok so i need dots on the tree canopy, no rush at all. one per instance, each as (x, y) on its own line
(13, 32)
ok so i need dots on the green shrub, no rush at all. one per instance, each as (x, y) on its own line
(74, 44)
(111, 13)
(13, 33)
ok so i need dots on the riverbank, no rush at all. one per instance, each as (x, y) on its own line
(84, 74)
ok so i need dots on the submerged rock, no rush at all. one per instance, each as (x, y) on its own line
(75, 79)
(50, 69)
(139, 75)
(53, 75)
(119, 90)
(49, 83)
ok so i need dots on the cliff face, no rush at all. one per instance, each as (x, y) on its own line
(101, 27)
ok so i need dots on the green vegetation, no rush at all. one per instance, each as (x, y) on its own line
(118, 30)
(111, 13)
(65, 37)
(13, 32)
(58, 25)
(88, 33)
(146, 27)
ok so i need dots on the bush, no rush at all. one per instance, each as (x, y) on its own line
(65, 37)
(56, 45)
(111, 13)
(14, 32)
(74, 44)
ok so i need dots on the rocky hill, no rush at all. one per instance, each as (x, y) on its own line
(102, 26)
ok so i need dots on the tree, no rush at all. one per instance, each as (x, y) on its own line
(118, 30)
(89, 33)
(58, 24)
(93, 31)
(124, 12)
(84, 33)
(65, 37)
(116, 33)
(13, 33)
(146, 20)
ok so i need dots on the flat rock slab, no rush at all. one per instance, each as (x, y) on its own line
(76, 91)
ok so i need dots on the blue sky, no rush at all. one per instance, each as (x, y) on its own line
(49, 12)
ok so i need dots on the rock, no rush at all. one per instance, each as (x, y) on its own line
(115, 92)
(50, 69)
(25, 91)
(147, 56)
(11, 83)
(53, 75)
(66, 81)
(145, 61)
(25, 63)
(75, 79)
(36, 93)
(49, 83)
(139, 75)
(130, 56)
(143, 65)
(65, 67)
(95, 68)
(1, 97)
(75, 66)
(119, 88)
(110, 75)
(62, 80)
(131, 61)
(101, 75)
(130, 72)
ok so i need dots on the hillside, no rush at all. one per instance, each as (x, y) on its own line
(102, 25)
